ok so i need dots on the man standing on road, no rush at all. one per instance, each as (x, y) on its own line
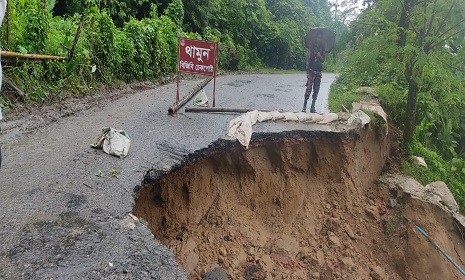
(2, 14)
(315, 58)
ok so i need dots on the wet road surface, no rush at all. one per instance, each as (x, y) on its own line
(62, 221)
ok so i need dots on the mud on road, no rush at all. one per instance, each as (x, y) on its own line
(301, 203)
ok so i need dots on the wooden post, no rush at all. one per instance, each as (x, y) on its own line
(91, 41)
(177, 88)
(18, 91)
(8, 22)
(214, 88)
(76, 38)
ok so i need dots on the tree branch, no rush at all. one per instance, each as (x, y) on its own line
(457, 24)
(443, 40)
(430, 24)
(425, 20)
(444, 19)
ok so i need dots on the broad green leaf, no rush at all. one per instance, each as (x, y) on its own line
(71, 66)
(50, 4)
(22, 50)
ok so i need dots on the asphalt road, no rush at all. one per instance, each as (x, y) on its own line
(61, 221)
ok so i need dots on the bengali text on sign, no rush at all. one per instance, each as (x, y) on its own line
(197, 57)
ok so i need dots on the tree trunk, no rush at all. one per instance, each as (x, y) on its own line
(403, 23)
(413, 74)
(409, 127)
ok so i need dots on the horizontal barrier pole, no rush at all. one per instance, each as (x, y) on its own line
(221, 110)
(30, 56)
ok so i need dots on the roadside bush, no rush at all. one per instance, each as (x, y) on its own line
(136, 32)
(103, 46)
(124, 56)
(35, 35)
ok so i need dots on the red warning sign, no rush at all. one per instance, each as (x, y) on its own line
(197, 57)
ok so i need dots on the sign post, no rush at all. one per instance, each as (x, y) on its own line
(197, 57)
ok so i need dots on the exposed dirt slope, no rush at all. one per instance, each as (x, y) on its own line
(303, 209)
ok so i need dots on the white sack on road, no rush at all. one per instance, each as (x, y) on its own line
(113, 142)
(303, 117)
(290, 116)
(316, 118)
(277, 115)
(241, 127)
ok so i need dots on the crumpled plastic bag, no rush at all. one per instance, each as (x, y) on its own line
(201, 99)
(113, 142)
(420, 161)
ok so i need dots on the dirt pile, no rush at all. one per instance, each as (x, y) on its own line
(306, 208)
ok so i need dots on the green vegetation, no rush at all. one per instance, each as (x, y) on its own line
(412, 53)
(139, 50)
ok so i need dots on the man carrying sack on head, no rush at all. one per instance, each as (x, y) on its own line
(319, 41)
(315, 58)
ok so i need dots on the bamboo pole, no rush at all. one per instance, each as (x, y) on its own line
(30, 56)
(8, 23)
(76, 37)
(221, 110)
(186, 98)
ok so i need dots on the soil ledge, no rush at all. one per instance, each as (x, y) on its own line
(296, 205)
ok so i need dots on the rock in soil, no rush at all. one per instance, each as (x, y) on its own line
(216, 274)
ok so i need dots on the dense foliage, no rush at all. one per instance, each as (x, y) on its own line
(413, 52)
(137, 40)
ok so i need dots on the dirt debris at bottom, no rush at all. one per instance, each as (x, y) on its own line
(311, 208)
